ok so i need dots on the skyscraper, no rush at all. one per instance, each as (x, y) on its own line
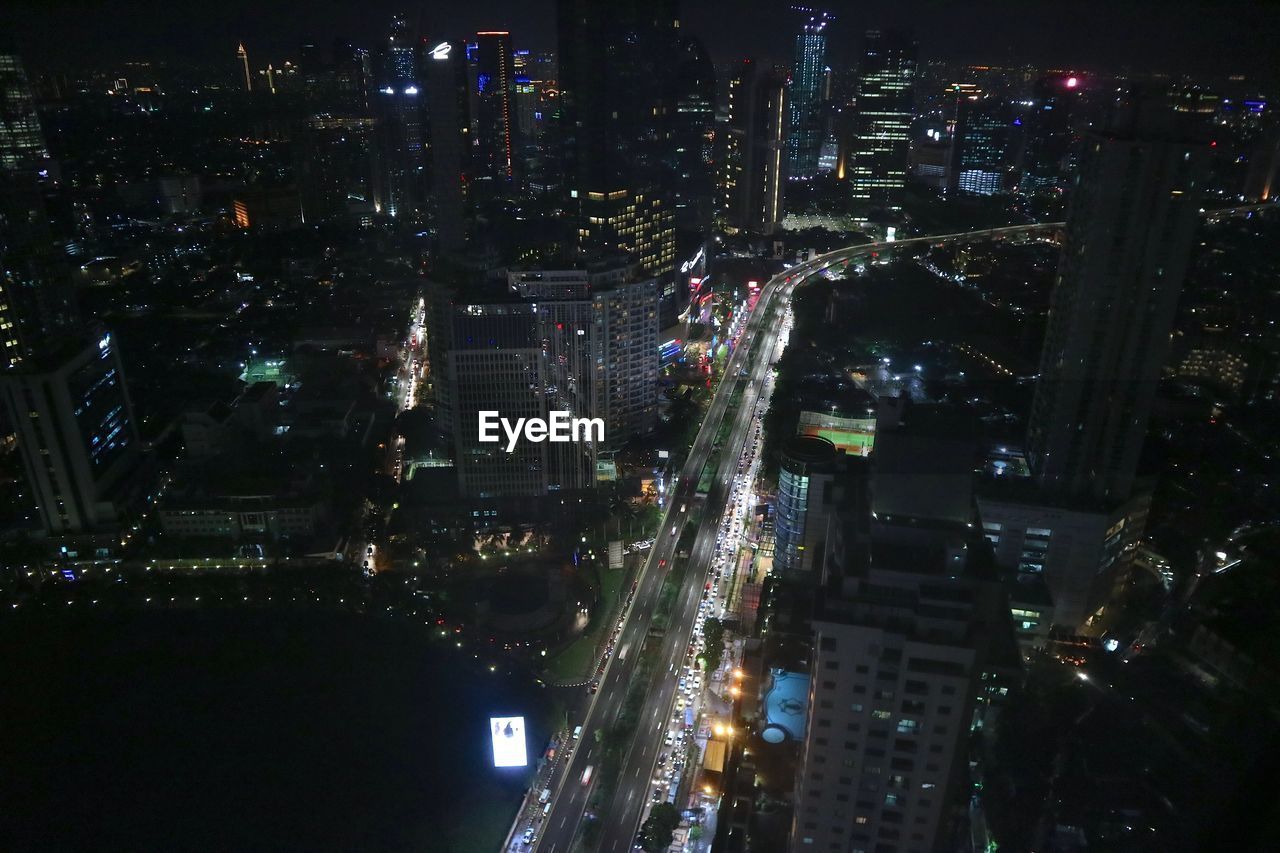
(445, 69)
(1049, 133)
(1128, 241)
(495, 85)
(693, 128)
(876, 167)
(980, 145)
(615, 62)
(76, 434)
(243, 56)
(22, 144)
(804, 138)
(1129, 234)
(753, 163)
(909, 647)
(399, 113)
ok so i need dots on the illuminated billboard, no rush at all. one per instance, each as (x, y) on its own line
(508, 741)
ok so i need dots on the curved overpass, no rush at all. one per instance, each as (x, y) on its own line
(746, 370)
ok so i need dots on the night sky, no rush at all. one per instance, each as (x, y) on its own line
(1191, 36)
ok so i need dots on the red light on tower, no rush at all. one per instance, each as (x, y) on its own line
(1072, 82)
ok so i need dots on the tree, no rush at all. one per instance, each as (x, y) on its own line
(713, 631)
(659, 829)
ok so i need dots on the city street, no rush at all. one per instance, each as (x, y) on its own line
(621, 817)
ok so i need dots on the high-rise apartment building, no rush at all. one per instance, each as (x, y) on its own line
(753, 162)
(640, 225)
(909, 648)
(876, 164)
(600, 327)
(808, 74)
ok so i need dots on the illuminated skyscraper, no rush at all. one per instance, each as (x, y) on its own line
(616, 58)
(399, 112)
(243, 56)
(495, 85)
(693, 123)
(877, 163)
(76, 434)
(980, 145)
(804, 139)
(22, 145)
(753, 160)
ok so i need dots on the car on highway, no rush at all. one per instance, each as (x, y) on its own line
(673, 530)
(528, 837)
(586, 774)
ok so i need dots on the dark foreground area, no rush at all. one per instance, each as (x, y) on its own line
(248, 730)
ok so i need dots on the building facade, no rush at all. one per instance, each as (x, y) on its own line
(1129, 234)
(876, 166)
(753, 162)
(808, 73)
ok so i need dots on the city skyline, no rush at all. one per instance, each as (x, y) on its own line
(606, 425)
(1192, 38)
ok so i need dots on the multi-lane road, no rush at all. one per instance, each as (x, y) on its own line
(747, 371)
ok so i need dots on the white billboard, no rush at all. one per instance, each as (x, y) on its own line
(508, 741)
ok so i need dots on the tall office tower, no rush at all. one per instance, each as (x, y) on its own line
(495, 84)
(448, 107)
(491, 359)
(804, 135)
(693, 125)
(1129, 233)
(242, 56)
(877, 162)
(615, 60)
(22, 144)
(333, 165)
(753, 162)
(1133, 213)
(583, 342)
(980, 145)
(1049, 133)
(352, 73)
(76, 433)
(36, 291)
(398, 109)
